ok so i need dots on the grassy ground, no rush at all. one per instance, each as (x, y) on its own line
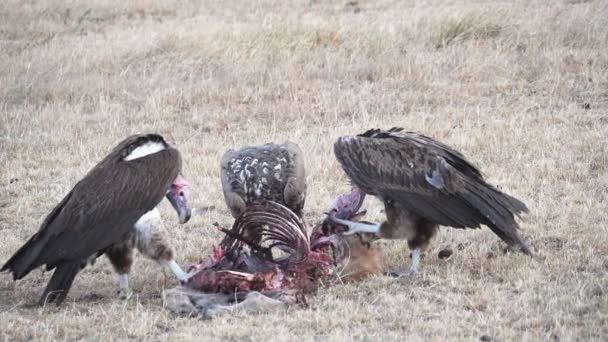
(521, 87)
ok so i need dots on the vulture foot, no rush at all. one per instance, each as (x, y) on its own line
(125, 293)
(185, 277)
(415, 261)
(181, 276)
(400, 274)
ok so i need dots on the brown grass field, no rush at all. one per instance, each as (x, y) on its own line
(520, 87)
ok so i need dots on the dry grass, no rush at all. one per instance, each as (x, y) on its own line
(521, 87)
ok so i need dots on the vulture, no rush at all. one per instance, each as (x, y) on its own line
(270, 172)
(423, 184)
(109, 211)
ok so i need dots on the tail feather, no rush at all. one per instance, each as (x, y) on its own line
(26, 258)
(60, 283)
(500, 210)
(512, 238)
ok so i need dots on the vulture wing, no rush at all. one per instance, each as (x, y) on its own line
(270, 172)
(101, 208)
(430, 179)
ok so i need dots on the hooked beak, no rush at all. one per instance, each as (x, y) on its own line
(329, 225)
(178, 195)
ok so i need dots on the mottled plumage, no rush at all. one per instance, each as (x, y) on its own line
(273, 172)
(98, 215)
(424, 183)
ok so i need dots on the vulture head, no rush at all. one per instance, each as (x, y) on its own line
(178, 196)
(345, 207)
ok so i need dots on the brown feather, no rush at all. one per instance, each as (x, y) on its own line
(271, 172)
(101, 209)
(430, 179)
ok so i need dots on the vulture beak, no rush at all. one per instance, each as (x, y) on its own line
(178, 196)
(329, 225)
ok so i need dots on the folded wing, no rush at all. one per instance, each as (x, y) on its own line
(430, 179)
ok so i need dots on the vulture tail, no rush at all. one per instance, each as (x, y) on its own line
(499, 210)
(60, 283)
(512, 238)
(26, 258)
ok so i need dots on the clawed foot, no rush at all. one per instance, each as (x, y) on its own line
(400, 274)
(415, 261)
(125, 293)
(185, 277)
(181, 276)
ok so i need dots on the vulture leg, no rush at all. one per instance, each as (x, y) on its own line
(182, 276)
(152, 240)
(404, 224)
(123, 282)
(121, 257)
(414, 262)
(356, 227)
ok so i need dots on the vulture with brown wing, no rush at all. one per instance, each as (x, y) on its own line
(270, 172)
(111, 210)
(423, 184)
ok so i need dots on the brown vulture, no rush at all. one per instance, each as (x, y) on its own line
(423, 184)
(270, 172)
(109, 211)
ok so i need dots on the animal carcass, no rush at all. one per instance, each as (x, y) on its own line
(279, 270)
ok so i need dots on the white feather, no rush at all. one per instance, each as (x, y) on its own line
(145, 150)
(148, 219)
